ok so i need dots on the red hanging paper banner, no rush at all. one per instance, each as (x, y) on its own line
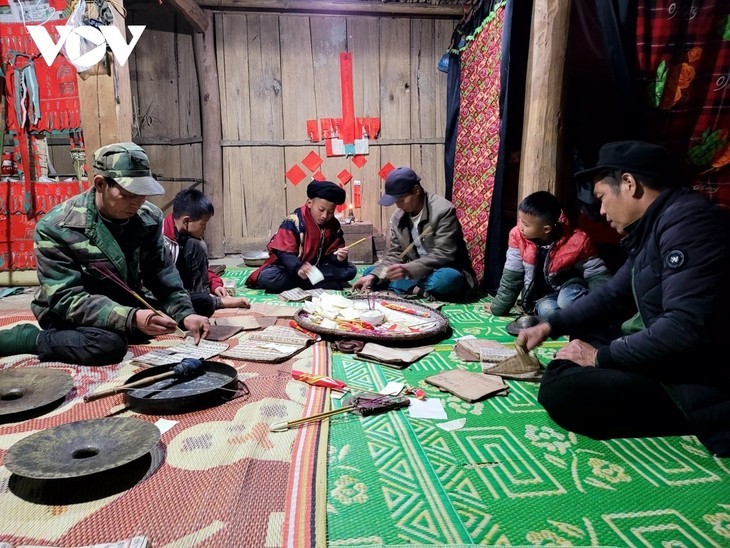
(356, 193)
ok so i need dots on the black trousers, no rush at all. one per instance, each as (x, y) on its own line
(82, 346)
(607, 403)
(275, 278)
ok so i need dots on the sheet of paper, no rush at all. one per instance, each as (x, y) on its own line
(393, 388)
(244, 322)
(315, 275)
(283, 348)
(450, 426)
(163, 425)
(188, 349)
(431, 408)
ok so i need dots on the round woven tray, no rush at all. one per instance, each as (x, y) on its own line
(439, 325)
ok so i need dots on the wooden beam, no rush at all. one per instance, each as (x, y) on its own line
(210, 110)
(341, 7)
(374, 143)
(542, 132)
(192, 13)
(106, 103)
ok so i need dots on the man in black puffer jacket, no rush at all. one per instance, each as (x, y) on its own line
(665, 372)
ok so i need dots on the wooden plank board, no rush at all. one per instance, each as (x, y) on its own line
(158, 100)
(363, 34)
(264, 69)
(189, 116)
(395, 94)
(423, 66)
(297, 89)
(232, 43)
(263, 201)
(236, 167)
(443, 30)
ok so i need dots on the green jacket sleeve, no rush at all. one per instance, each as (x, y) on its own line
(509, 289)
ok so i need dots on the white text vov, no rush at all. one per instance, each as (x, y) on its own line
(100, 37)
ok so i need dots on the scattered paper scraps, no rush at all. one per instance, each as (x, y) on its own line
(432, 408)
(163, 425)
(187, 349)
(468, 386)
(450, 426)
(393, 388)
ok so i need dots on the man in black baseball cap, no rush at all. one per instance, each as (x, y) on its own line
(662, 373)
(427, 254)
(399, 183)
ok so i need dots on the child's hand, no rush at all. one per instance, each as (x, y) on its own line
(304, 270)
(341, 254)
(221, 292)
(488, 307)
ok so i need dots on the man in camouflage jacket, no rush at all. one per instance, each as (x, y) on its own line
(109, 230)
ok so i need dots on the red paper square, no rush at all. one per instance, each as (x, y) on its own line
(344, 176)
(359, 160)
(319, 177)
(387, 168)
(295, 175)
(312, 161)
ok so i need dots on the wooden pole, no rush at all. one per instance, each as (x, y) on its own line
(342, 7)
(210, 111)
(542, 135)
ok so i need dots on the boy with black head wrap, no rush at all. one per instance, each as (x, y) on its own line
(309, 237)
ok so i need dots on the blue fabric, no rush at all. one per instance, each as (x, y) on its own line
(563, 298)
(441, 282)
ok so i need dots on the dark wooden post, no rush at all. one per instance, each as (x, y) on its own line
(210, 111)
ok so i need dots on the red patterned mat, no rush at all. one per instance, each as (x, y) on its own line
(217, 478)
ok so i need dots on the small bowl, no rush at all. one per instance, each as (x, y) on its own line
(523, 322)
(254, 258)
(373, 317)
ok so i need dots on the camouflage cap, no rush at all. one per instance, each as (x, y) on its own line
(129, 166)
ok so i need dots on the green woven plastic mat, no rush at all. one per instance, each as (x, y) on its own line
(510, 476)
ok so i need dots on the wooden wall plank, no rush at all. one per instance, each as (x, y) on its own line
(233, 56)
(232, 47)
(299, 102)
(395, 94)
(363, 36)
(157, 98)
(264, 69)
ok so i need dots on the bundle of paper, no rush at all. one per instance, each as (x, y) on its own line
(482, 350)
(245, 323)
(274, 344)
(468, 386)
(394, 357)
(298, 294)
(279, 311)
(187, 349)
(523, 365)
